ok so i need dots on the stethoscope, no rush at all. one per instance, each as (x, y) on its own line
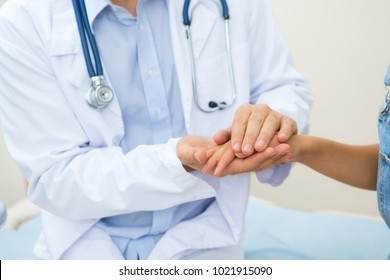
(212, 105)
(99, 95)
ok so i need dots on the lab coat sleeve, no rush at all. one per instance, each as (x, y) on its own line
(67, 176)
(275, 81)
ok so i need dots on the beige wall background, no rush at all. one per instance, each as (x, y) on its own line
(12, 187)
(343, 48)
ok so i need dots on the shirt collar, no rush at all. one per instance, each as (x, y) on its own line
(94, 7)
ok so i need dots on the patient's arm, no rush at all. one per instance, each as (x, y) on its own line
(353, 165)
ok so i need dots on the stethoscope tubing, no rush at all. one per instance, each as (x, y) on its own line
(186, 9)
(230, 63)
(84, 27)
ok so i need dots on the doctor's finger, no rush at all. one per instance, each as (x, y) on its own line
(270, 126)
(254, 125)
(288, 128)
(192, 151)
(239, 125)
(222, 136)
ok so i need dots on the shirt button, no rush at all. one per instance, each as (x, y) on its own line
(158, 113)
(141, 26)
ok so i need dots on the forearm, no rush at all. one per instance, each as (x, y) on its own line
(104, 182)
(353, 165)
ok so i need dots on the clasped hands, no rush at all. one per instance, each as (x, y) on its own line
(255, 141)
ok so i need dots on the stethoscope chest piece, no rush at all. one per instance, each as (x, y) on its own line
(98, 96)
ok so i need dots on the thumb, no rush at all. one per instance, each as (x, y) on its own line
(222, 136)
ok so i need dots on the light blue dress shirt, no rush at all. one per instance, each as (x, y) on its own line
(137, 56)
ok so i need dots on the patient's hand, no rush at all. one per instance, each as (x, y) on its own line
(223, 161)
(203, 154)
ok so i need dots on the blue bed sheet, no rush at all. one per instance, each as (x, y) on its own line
(272, 233)
(19, 244)
(276, 233)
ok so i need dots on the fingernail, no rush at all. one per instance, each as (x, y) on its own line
(282, 137)
(196, 155)
(217, 171)
(247, 148)
(237, 146)
(260, 143)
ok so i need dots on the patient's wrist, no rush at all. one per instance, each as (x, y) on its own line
(300, 147)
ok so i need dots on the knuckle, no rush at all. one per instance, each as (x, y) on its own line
(240, 120)
(264, 107)
(289, 123)
(244, 108)
(257, 117)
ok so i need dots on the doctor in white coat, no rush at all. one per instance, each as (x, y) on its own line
(114, 183)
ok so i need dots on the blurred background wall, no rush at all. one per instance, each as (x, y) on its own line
(343, 48)
(12, 186)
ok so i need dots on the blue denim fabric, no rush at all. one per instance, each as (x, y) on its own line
(383, 185)
(387, 77)
(3, 214)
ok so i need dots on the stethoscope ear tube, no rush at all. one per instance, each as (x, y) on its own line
(186, 16)
(225, 9)
(186, 8)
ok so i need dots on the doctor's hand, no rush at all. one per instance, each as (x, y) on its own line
(222, 161)
(192, 151)
(253, 128)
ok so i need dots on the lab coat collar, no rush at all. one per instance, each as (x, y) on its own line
(65, 42)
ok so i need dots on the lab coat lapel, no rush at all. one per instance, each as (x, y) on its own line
(201, 27)
(65, 45)
(203, 17)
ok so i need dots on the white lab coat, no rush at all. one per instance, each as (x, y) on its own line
(69, 152)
